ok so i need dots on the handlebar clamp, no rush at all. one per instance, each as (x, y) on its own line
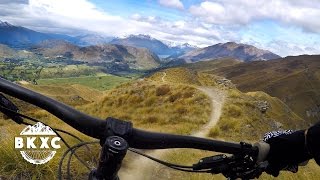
(117, 127)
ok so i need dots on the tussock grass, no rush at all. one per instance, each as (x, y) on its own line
(176, 75)
(242, 119)
(149, 104)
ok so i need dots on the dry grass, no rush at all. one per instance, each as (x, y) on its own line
(153, 105)
(243, 120)
(295, 80)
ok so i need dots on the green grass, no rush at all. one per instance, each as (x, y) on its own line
(57, 70)
(100, 81)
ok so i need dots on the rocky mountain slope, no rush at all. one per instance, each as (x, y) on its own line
(153, 45)
(230, 49)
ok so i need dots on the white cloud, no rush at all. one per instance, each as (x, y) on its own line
(303, 14)
(172, 3)
(74, 16)
(212, 22)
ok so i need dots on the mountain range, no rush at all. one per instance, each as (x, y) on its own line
(18, 37)
(125, 56)
(21, 37)
(230, 49)
(156, 46)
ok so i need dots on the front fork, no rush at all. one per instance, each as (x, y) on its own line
(113, 151)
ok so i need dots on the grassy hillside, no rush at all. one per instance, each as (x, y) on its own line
(155, 105)
(242, 120)
(295, 80)
(212, 64)
(69, 94)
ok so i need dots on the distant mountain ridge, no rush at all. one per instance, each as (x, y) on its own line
(21, 37)
(154, 45)
(24, 38)
(230, 49)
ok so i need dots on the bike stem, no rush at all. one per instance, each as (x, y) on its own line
(113, 151)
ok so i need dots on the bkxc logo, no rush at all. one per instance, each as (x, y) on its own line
(37, 143)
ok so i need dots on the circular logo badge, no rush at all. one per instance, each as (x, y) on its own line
(38, 143)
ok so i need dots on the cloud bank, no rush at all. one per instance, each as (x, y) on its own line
(204, 23)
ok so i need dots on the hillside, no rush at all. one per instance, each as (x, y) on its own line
(158, 106)
(204, 66)
(295, 80)
(243, 119)
(230, 49)
(70, 94)
(6, 52)
(119, 56)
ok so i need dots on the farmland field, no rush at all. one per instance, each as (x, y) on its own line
(100, 81)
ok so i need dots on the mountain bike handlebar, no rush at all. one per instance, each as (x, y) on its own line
(136, 138)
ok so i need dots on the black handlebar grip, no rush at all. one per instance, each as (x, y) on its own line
(264, 149)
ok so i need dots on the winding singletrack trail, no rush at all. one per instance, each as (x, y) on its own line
(164, 75)
(217, 98)
(142, 168)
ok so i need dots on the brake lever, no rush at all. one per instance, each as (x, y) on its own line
(6, 104)
(216, 164)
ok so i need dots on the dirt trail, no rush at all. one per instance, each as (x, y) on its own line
(142, 168)
(164, 75)
(217, 100)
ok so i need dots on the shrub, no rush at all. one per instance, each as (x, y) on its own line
(150, 101)
(234, 111)
(214, 132)
(229, 124)
(163, 90)
(234, 93)
(175, 97)
(151, 119)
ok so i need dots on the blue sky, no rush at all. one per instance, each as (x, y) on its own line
(285, 27)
